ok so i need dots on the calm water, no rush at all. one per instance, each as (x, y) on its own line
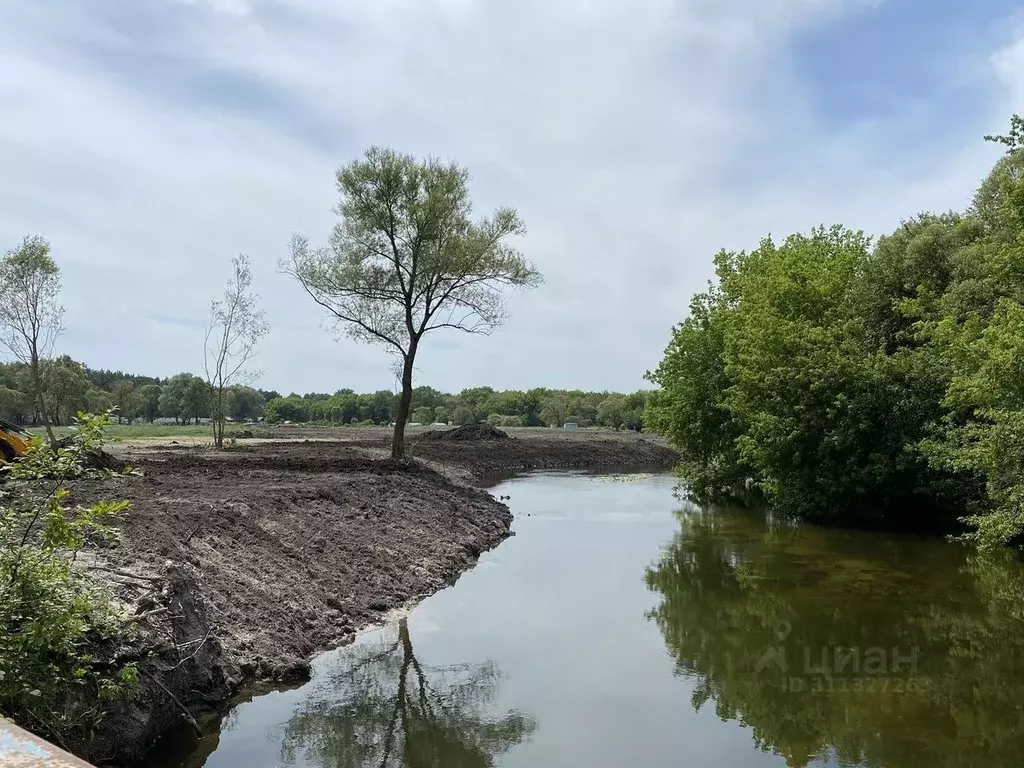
(621, 627)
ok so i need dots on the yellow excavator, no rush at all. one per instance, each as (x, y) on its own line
(14, 442)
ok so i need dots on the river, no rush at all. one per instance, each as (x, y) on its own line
(623, 627)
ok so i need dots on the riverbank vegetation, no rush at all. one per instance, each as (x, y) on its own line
(59, 630)
(876, 384)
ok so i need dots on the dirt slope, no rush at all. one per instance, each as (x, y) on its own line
(480, 458)
(290, 548)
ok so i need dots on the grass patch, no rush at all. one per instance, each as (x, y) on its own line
(137, 431)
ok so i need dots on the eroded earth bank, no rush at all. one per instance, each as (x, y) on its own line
(244, 564)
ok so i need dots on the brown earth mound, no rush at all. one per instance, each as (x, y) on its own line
(484, 458)
(479, 431)
(96, 458)
(292, 548)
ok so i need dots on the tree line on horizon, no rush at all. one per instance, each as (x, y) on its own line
(878, 384)
(71, 387)
(539, 407)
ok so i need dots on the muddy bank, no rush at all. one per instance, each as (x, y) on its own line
(478, 459)
(252, 561)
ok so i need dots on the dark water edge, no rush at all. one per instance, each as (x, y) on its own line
(623, 626)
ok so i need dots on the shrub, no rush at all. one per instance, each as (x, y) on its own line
(57, 626)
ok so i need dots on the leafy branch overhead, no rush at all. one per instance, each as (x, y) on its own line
(1014, 140)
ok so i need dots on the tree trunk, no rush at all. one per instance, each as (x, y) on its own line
(404, 402)
(37, 382)
(218, 420)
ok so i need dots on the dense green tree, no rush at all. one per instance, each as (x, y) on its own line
(799, 376)
(611, 412)
(13, 404)
(66, 387)
(98, 401)
(123, 392)
(552, 412)
(463, 415)
(407, 258)
(286, 409)
(423, 416)
(245, 403)
(174, 398)
(149, 401)
(198, 399)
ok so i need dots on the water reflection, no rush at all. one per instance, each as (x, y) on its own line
(379, 706)
(849, 648)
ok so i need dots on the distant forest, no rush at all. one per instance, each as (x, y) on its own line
(71, 387)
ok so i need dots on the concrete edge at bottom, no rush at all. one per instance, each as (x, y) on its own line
(21, 749)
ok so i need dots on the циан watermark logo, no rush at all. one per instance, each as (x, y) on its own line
(834, 668)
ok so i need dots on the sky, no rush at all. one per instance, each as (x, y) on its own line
(152, 140)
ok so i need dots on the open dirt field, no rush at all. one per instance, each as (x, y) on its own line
(259, 557)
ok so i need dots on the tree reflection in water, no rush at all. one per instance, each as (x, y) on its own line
(729, 582)
(379, 706)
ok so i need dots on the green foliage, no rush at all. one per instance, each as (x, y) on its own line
(408, 258)
(65, 388)
(611, 412)
(149, 401)
(286, 409)
(463, 415)
(423, 416)
(498, 420)
(185, 397)
(125, 401)
(1014, 140)
(877, 386)
(245, 403)
(57, 627)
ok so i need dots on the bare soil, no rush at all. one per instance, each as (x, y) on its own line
(255, 559)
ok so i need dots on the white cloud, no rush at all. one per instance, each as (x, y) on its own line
(635, 138)
(233, 7)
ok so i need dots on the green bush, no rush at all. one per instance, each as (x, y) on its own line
(57, 627)
(499, 420)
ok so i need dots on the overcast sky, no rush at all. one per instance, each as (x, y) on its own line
(151, 140)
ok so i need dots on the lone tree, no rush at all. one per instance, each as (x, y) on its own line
(235, 327)
(407, 258)
(32, 319)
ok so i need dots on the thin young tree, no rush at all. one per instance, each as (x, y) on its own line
(32, 318)
(407, 258)
(235, 327)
